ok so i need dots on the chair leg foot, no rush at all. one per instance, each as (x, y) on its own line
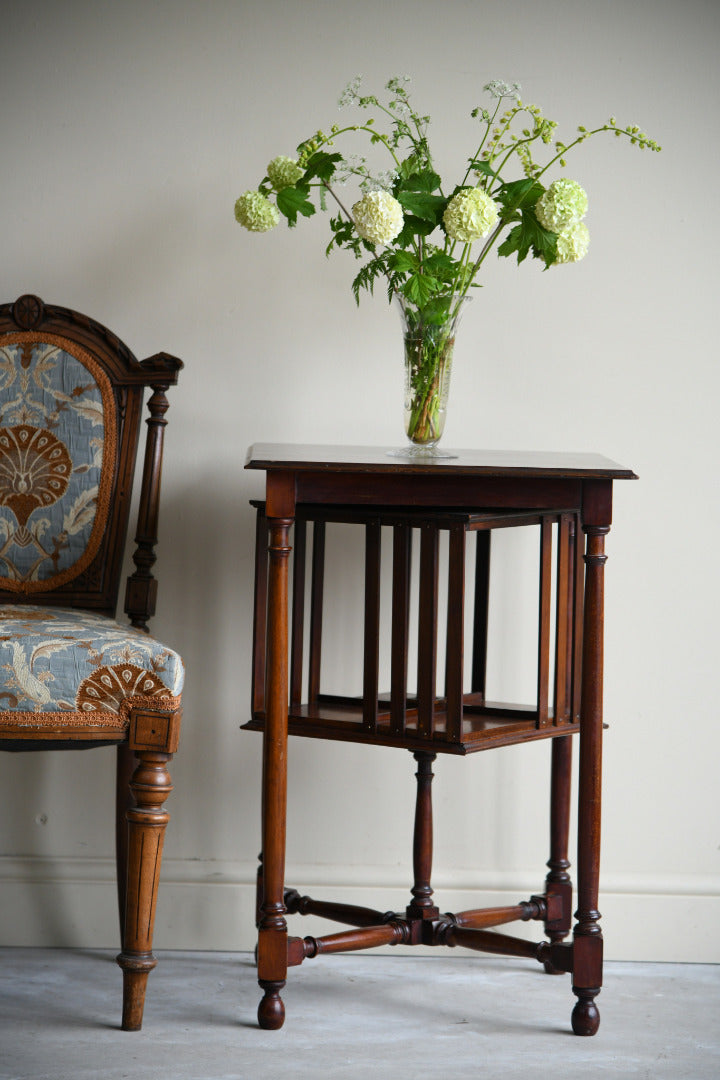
(135, 977)
(271, 1011)
(585, 1015)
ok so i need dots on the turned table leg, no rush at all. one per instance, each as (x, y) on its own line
(587, 935)
(272, 935)
(422, 906)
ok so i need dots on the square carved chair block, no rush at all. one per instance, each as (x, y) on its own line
(71, 676)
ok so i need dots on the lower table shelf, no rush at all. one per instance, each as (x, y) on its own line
(484, 726)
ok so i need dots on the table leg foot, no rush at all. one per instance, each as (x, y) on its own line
(271, 1011)
(585, 1015)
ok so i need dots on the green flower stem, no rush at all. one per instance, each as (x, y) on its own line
(327, 140)
(479, 261)
(458, 290)
(580, 138)
(428, 359)
(419, 141)
(595, 131)
(513, 150)
(488, 125)
(330, 191)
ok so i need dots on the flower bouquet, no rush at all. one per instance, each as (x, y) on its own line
(425, 241)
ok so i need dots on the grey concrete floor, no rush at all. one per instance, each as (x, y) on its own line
(380, 1016)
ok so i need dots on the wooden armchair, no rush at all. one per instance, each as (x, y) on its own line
(71, 677)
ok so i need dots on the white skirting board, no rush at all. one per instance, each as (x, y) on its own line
(49, 902)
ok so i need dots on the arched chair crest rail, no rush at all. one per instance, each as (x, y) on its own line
(71, 676)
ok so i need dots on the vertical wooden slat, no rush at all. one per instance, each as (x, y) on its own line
(455, 633)
(298, 613)
(481, 608)
(563, 622)
(578, 542)
(543, 682)
(402, 549)
(372, 627)
(316, 610)
(427, 629)
(569, 644)
(260, 612)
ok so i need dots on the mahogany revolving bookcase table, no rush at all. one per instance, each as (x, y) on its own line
(567, 499)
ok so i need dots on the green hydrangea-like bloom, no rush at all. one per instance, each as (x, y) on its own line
(283, 172)
(563, 204)
(573, 243)
(378, 217)
(470, 215)
(256, 212)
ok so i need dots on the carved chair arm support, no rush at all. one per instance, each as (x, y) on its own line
(141, 591)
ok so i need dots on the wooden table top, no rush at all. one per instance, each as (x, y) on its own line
(297, 457)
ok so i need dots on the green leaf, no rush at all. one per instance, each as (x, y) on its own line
(423, 180)
(423, 205)
(344, 235)
(403, 262)
(321, 165)
(419, 288)
(413, 227)
(292, 201)
(365, 279)
(520, 194)
(410, 167)
(442, 266)
(530, 237)
(436, 311)
(481, 166)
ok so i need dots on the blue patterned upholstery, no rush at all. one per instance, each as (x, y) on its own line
(57, 455)
(68, 670)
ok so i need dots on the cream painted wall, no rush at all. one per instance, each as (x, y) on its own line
(128, 131)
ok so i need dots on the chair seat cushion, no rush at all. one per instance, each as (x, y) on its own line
(77, 674)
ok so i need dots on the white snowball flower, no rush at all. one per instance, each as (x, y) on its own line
(378, 217)
(255, 212)
(283, 172)
(470, 215)
(564, 203)
(573, 243)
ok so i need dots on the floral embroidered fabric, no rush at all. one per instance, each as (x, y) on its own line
(57, 450)
(60, 667)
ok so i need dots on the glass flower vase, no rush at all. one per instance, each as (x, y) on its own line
(428, 353)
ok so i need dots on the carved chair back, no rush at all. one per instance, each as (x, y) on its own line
(70, 416)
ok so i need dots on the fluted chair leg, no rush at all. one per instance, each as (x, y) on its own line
(147, 821)
(126, 765)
